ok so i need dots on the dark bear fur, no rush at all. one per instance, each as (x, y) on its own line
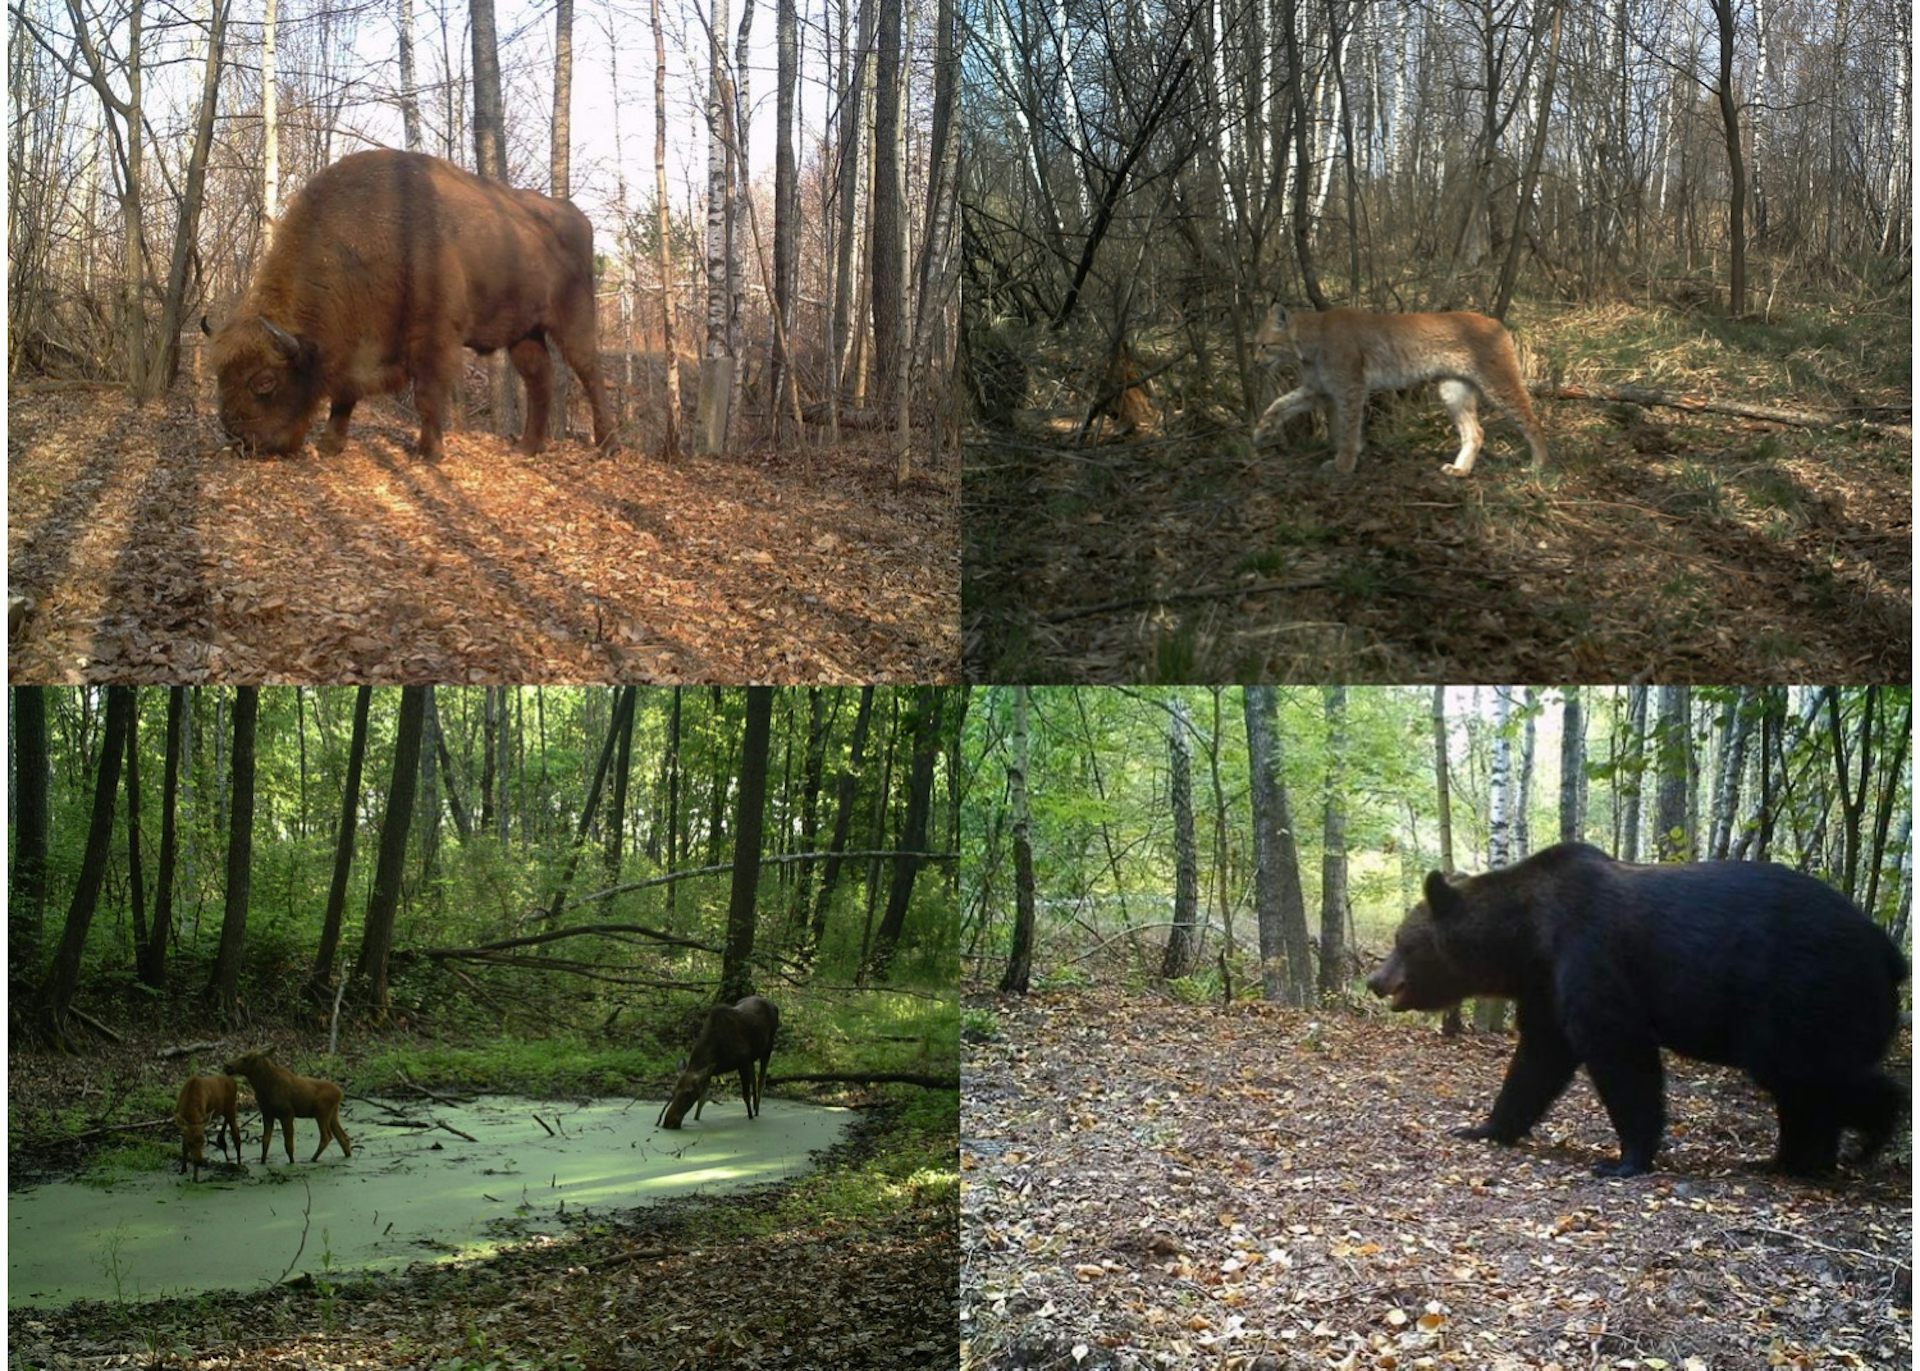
(1744, 964)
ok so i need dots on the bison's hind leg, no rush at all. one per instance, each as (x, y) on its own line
(335, 438)
(530, 359)
(579, 343)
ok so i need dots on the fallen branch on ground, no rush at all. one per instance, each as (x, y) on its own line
(1648, 398)
(184, 1049)
(872, 1078)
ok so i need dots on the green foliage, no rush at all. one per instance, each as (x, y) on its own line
(1199, 988)
(1071, 976)
(979, 1026)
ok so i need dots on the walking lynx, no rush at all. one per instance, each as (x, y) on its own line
(1345, 353)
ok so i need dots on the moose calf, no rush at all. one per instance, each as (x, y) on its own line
(285, 1097)
(734, 1038)
(203, 1098)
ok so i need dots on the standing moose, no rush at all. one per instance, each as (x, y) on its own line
(382, 268)
(735, 1037)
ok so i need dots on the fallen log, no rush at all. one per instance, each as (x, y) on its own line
(872, 1078)
(186, 1049)
(1699, 404)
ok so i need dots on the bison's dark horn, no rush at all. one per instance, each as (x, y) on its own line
(205, 327)
(283, 340)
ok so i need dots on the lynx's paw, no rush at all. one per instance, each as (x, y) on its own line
(1455, 470)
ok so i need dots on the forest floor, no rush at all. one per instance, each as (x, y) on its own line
(1653, 544)
(148, 553)
(1150, 1184)
(850, 1266)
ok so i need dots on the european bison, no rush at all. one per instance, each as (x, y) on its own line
(382, 268)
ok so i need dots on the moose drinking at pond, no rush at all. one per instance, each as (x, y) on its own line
(202, 1099)
(285, 1097)
(381, 270)
(735, 1037)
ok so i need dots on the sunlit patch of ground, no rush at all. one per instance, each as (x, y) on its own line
(145, 553)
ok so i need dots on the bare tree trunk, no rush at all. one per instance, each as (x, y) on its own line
(188, 228)
(376, 944)
(1510, 268)
(786, 211)
(715, 403)
(1333, 850)
(490, 160)
(63, 977)
(270, 121)
(1634, 781)
(1573, 767)
(1183, 940)
(1736, 167)
(560, 180)
(153, 965)
(31, 799)
(1020, 963)
(1675, 750)
(736, 976)
(670, 440)
(409, 79)
(224, 988)
(927, 705)
(344, 839)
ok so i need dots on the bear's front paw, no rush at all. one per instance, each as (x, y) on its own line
(1486, 1132)
(1620, 1169)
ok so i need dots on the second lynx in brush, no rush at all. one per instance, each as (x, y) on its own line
(1345, 353)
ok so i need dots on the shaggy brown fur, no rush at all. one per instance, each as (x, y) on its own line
(202, 1098)
(381, 270)
(1346, 353)
(285, 1097)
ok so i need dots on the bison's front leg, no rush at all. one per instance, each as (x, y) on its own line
(335, 438)
(536, 369)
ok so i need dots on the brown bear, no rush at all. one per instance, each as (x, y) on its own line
(1745, 964)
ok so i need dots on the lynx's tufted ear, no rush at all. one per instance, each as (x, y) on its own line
(1273, 329)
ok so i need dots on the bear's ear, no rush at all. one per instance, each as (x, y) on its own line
(1443, 901)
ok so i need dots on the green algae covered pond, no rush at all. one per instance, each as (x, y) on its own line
(412, 1191)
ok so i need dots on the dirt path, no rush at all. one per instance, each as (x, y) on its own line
(1160, 1185)
(147, 554)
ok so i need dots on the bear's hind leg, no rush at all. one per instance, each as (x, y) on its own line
(1809, 1131)
(1876, 1106)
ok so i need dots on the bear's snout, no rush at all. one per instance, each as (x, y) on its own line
(1380, 983)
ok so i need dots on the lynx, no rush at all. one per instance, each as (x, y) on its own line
(1345, 353)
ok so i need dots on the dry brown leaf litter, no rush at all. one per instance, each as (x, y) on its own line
(147, 554)
(1156, 1185)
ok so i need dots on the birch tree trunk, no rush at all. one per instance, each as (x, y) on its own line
(409, 80)
(1573, 767)
(716, 365)
(560, 186)
(670, 439)
(786, 209)
(490, 159)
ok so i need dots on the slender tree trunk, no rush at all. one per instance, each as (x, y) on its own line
(63, 977)
(1183, 940)
(786, 210)
(1020, 964)
(270, 122)
(617, 820)
(345, 836)
(1333, 851)
(224, 988)
(376, 943)
(1635, 773)
(670, 411)
(187, 231)
(736, 976)
(1675, 748)
(32, 804)
(409, 79)
(136, 879)
(1736, 167)
(913, 832)
(153, 965)
(1573, 768)
(716, 366)
(622, 717)
(846, 787)
(490, 160)
(1258, 705)
(560, 177)
(811, 779)
(1530, 180)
